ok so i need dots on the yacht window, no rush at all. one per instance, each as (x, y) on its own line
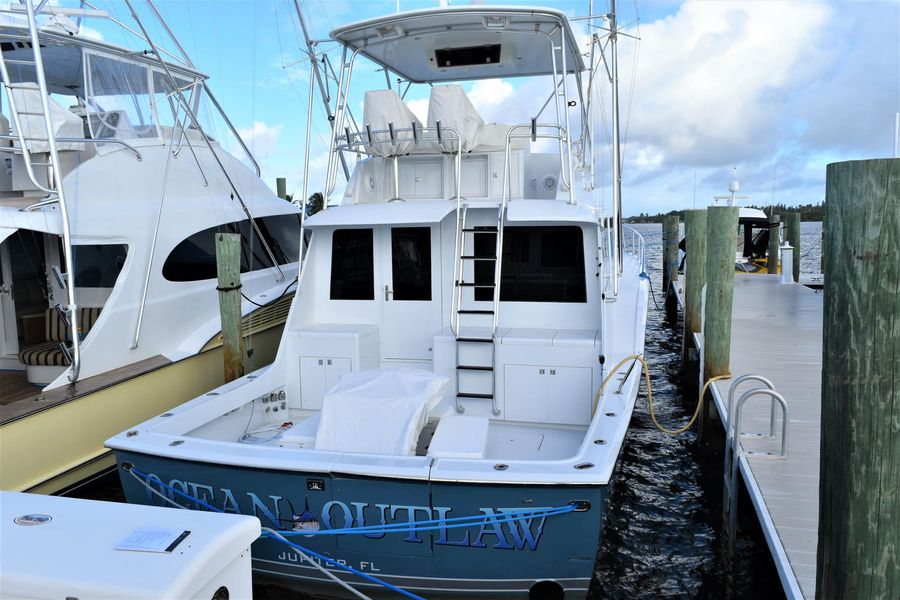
(411, 263)
(119, 98)
(352, 265)
(543, 264)
(194, 259)
(165, 99)
(98, 265)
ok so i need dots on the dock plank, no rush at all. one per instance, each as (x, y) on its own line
(777, 333)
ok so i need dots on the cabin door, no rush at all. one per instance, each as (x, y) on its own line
(411, 311)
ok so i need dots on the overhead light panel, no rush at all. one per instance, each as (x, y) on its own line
(391, 30)
(495, 22)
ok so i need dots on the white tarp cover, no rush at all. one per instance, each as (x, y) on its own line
(382, 107)
(380, 411)
(450, 105)
(27, 97)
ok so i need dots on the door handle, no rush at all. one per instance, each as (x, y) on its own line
(387, 293)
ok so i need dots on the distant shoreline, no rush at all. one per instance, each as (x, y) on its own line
(808, 213)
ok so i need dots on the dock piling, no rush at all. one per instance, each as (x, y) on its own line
(228, 267)
(670, 265)
(721, 225)
(774, 244)
(694, 280)
(859, 497)
(792, 235)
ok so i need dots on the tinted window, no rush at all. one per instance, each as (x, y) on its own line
(98, 265)
(194, 259)
(352, 265)
(411, 263)
(540, 264)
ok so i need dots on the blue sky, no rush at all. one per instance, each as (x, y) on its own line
(776, 88)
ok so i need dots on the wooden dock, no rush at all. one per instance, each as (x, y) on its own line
(777, 334)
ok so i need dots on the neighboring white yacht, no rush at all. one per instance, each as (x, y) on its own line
(110, 196)
(435, 416)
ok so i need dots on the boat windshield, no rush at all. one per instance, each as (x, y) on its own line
(128, 99)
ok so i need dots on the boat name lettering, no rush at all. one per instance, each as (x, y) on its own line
(495, 530)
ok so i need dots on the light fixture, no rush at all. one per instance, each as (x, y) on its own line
(495, 22)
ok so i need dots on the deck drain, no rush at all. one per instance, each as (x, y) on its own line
(166, 415)
(500, 467)
(177, 443)
(131, 433)
(610, 414)
(583, 466)
(212, 393)
(599, 442)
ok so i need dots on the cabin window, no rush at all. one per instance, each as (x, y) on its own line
(411, 263)
(98, 265)
(543, 264)
(352, 265)
(194, 259)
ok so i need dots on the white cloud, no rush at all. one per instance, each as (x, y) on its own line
(490, 97)
(262, 138)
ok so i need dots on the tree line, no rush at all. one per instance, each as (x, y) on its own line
(808, 212)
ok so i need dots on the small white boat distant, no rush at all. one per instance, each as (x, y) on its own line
(55, 547)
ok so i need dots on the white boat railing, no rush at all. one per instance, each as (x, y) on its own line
(634, 244)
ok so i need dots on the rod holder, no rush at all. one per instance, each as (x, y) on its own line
(415, 133)
(369, 134)
(534, 129)
(347, 135)
(440, 133)
(391, 133)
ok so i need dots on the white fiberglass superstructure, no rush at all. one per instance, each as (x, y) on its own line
(456, 316)
(110, 196)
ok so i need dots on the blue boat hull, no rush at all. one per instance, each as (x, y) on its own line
(497, 558)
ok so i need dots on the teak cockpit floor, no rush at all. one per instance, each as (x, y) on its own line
(14, 386)
(24, 404)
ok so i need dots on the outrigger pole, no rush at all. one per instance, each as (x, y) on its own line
(314, 65)
(617, 154)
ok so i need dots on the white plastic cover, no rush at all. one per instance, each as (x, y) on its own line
(492, 138)
(380, 411)
(380, 108)
(27, 97)
(450, 105)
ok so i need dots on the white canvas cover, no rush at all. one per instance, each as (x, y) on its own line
(380, 411)
(65, 124)
(450, 105)
(380, 108)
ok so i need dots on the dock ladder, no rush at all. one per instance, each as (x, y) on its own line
(475, 326)
(17, 91)
(734, 451)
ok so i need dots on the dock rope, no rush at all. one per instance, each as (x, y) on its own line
(308, 555)
(646, 370)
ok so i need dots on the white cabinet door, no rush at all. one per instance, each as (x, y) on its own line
(569, 395)
(335, 368)
(525, 393)
(312, 382)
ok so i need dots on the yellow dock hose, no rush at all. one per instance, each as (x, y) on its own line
(646, 370)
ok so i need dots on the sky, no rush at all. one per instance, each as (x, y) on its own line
(776, 89)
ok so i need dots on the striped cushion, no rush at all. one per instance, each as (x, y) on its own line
(47, 354)
(56, 329)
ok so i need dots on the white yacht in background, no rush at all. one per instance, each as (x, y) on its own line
(110, 195)
(436, 399)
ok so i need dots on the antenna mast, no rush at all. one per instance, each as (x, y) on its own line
(617, 153)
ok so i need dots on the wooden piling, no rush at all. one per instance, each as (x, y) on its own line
(281, 187)
(792, 235)
(721, 225)
(822, 247)
(670, 265)
(694, 280)
(774, 244)
(859, 494)
(228, 266)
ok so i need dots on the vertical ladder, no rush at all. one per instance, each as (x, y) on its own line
(476, 326)
(53, 186)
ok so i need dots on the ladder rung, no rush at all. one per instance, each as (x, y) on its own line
(475, 285)
(18, 61)
(481, 229)
(474, 312)
(476, 340)
(473, 395)
(478, 258)
(473, 368)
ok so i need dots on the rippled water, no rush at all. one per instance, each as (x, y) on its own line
(663, 532)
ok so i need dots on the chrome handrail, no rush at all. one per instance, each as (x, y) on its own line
(637, 244)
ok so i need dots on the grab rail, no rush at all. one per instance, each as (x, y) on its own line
(637, 244)
(69, 140)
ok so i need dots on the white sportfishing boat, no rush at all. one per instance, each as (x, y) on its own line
(436, 416)
(110, 196)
